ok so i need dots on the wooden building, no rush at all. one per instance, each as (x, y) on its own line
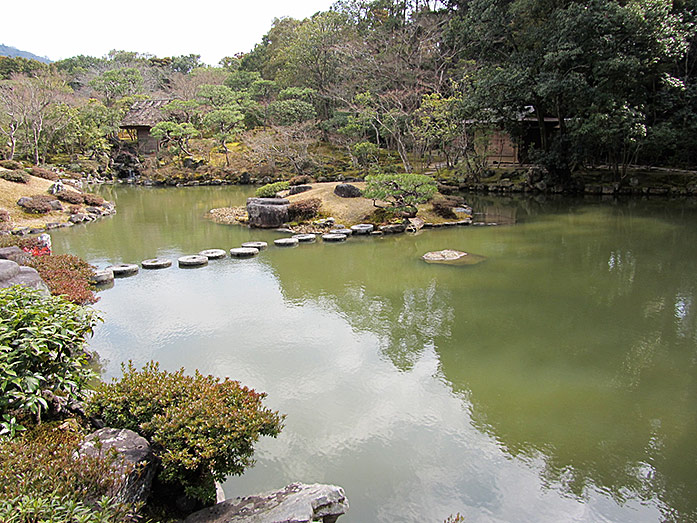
(139, 119)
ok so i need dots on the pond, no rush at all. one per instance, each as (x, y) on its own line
(556, 381)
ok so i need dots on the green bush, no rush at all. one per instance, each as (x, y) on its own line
(41, 353)
(17, 176)
(10, 164)
(66, 275)
(40, 479)
(201, 429)
(271, 189)
(402, 192)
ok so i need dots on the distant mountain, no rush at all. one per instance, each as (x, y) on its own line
(13, 52)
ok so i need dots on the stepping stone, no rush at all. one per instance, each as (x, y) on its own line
(193, 260)
(345, 232)
(156, 263)
(102, 277)
(256, 245)
(244, 252)
(286, 242)
(362, 228)
(333, 237)
(305, 238)
(122, 270)
(213, 254)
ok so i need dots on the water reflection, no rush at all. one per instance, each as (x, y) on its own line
(554, 382)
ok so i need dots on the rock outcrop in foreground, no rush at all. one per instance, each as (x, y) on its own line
(12, 273)
(296, 503)
(267, 213)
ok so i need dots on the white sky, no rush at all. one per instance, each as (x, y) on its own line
(61, 29)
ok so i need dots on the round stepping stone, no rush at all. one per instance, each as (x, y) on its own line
(362, 228)
(156, 263)
(286, 242)
(345, 232)
(124, 269)
(213, 254)
(256, 245)
(304, 238)
(244, 252)
(332, 237)
(193, 260)
(102, 277)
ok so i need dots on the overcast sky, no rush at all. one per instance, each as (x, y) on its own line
(61, 29)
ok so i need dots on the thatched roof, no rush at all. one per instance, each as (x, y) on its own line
(144, 113)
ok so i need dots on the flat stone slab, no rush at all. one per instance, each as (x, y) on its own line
(256, 245)
(213, 254)
(156, 263)
(345, 232)
(296, 503)
(334, 237)
(192, 260)
(362, 228)
(286, 242)
(243, 252)
(451, 257)
(305, 238)
(102, 277)
(123, 270)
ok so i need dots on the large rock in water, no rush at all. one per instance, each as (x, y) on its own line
(297, 503)
(267, 213)
(12, 273)
(135, 463)
(451, 257)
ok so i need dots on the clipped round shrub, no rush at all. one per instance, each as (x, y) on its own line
(92, 199)
(66, 275)
(17, 176)
(271, 189)
(444, 206)
(304, 209)
(5, 219)
(46, 174)
(74, 209)
(35, 205)
(40, 479)
(201, 428)
(69, 196)
(10, 164)
(300, 179)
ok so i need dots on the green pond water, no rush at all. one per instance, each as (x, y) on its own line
(556, 381)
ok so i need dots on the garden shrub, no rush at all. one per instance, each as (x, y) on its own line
(92, 199)
(271, 189)
(69, 196)
(17, 176)
(300, 179)
(46, 174)
(40, 479)
(10, 164)
(38, 204)
(201, 429)
(5, 220)
(402, 192)
(66, 275)
(304, 210)
(41, 353)
(74, 209)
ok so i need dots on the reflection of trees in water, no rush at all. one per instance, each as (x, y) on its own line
(406, 323)
(600, 380)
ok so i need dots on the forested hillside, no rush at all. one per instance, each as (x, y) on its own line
(574, 84)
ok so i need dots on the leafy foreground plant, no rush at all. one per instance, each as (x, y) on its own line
(40, 480)
(42, 353)
(202, 429)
